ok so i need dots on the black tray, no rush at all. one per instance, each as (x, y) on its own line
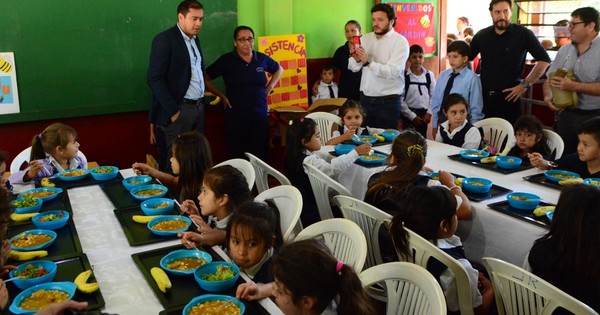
(361, 163)
(541, 179)
(67, 270)
(87, 181)
(376, 144)
(525, 215)
(489, 166)
(66, 245)
(138, 233)
(61, 202)
(184, 288)
(120, 197)
(494, 192)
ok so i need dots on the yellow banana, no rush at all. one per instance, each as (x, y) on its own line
(161, 278)
(570, 181)
(491, 159)
(143, 218)
(458, 181)
(541, 211)
(21, 256)
(380, 138)
(47, 183)
(22, 217)
(215, 101)
(83, 285)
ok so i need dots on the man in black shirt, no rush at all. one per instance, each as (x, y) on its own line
(503, 47)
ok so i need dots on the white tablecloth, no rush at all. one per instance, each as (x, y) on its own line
(489, 233)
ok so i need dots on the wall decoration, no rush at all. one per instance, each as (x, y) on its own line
(9, 95)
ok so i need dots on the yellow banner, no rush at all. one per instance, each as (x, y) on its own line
(290, 52)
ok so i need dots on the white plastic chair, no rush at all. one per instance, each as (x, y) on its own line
(325, 121)
(288, 200)
(498, 132)
(23, 157)
(518, 291)
(321, 184)
(369, 219)
(412, 288)
(555, 143)
(343, 237)
(262, 171)
(423, 250)
(243, 166)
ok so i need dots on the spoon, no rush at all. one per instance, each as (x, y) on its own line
(192, 244)
(181, 213)
(552, 164)
(11, 279)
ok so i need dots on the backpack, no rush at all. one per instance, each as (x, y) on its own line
(407, 82)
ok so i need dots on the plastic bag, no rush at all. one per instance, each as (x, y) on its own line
(563, 99)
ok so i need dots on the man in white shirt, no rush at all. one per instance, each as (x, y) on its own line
(382, 56)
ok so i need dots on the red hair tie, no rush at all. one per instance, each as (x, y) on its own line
(338, 266)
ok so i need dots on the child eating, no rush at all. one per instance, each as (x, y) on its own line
(352, 116)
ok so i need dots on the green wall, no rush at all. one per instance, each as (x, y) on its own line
(322, 21)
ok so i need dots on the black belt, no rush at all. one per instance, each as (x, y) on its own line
(193, 102)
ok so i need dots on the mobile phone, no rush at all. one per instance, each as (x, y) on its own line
(356, 42)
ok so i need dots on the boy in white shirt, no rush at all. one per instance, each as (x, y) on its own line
(419, 84)
(327, 88)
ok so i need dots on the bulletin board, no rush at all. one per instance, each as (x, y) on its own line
(290, 52)
(9, 93)
(417, 22)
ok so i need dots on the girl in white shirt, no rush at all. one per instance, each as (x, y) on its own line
(352, 115)
(457, 130)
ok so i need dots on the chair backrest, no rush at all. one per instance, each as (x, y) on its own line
(243, 166)
(288, 200)
(325, 121)
(412, 288)
(369, 219)
(23, 157)
(518, 291)
(498, 132)
(262, 171)
(423, 250)
(321, 185)
(555, 143)
(343, 237)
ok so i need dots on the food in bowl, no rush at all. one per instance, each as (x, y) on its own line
(103, 169)
(170, 225)
(593, 181)
(223, 272)
(523, 201)
(30, 240)
(149, 192)
(42, 298)
(186, 263)
(520, 198)
(73, 173)
(161, 205)
(31, 272)
(25, 202)
(51, 217)
(373, 157)
(215, 307)
(40, 193)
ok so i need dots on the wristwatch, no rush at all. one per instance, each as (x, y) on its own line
(525, 84)
(366, 64)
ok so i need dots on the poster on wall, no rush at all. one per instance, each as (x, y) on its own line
(290, 52)
(9, 96)
(417, 21)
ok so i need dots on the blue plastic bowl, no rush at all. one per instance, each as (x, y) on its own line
(344, 148)
(213, 297)
(136, 181)
(592, 181)
(135, 191)
(23, 284)
(473, 155)
(550, 215)
(211, 268)
(358, 140)
(33, 192)
(161, 218)
(31, 209)
(68, 175)
(477, 185)
(36, 247)
(104, 172)
(375, 158)
(149, 207)
(390, 135)
(531, 201)
(508, 162)
(183, 253)
(67, 287)
(558, 175)
(51, 225)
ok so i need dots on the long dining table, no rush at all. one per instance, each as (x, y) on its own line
(123, 287)
(488, 233)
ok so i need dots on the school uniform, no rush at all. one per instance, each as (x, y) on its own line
(418, 90)
(262, 272)
(465, 136)
(325, 92)
(572, 163)
(49, 167)
(366, 131)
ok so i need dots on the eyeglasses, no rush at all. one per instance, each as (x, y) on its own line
(572, 24)
(245, 40)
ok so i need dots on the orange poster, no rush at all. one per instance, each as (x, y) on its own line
(290, 52)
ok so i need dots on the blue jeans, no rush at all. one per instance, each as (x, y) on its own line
(382, 111)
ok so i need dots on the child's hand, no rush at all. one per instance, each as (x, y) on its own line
(446, 178)
(141, 168)
(426, 118)
(252, 291)
(348, 134)
(34, 168)
(427, 169)
(202, 227)
(483, 284)
(190, 239)
(418, 121)
(315, 88)
(537, 160)
(189, 207)
(363, 149)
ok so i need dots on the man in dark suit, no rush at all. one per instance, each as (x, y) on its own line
(176, 77)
